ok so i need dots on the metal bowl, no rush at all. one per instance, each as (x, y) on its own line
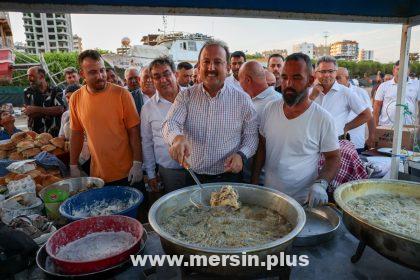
(74, 185)
(250, 194)
(9, 209)
(398, 248)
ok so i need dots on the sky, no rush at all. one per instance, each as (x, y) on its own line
(251, 35)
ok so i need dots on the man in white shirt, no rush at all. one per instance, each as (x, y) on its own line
(146, 84)
(386, 100)
(253, 80)
(294, 132)
(184, 74)
(337, 99)
(236, 60)
(358, 134)
(153, 113)
(274, 65)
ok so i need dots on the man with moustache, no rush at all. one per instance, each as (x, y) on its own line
(337, 99)
(155, 150)
(184, 74)
(43, 103)
(212, 126)
(132, 79)
(236, 60)
(274, 64)
(146, 83)
(107, 115)
(294, 132)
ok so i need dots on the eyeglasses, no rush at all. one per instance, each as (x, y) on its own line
(165, 75)
(329, 71)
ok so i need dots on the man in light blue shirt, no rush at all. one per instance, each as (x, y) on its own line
(155, 150)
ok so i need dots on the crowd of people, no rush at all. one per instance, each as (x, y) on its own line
(292, 126)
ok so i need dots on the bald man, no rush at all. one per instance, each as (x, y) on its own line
(252, 78)
(146, 83)
(358, 134)
(132, 80)
(270, 78)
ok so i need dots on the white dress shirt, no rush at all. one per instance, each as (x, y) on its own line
(155, 150)
(358, 134)
(231, 79)
(387, 93)
(262, 99)
(216, 127)
(339, 102)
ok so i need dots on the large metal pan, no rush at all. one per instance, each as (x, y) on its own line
(401, 249)
(250, 194)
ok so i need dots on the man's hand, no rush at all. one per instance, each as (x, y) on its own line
(74, 171)
(136, 173)
(233, 163)
(370, 143)
(317, 195)
(180, 150)
(316, 90)
(30, 111)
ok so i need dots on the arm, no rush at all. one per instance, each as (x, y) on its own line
(331, 166)
(149, 160)
(362, 118)
(372, 129)
(173, 125)
(76, 144)
(134, 138)
(37, 111)
(377, 106)
(249, 137)
(258, 162)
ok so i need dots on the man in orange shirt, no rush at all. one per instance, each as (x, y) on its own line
(107, 115)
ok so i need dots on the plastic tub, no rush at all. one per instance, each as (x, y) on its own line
(80, 229)
(81, 202)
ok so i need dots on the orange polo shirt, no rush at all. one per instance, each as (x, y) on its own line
(105, 118)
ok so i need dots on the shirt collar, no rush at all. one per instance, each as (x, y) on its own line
(409, 81)
(265, 93)
(335, 87)
(219, 94)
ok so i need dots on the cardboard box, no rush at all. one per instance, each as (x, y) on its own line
(384, 136)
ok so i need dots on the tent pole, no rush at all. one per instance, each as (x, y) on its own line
(402, 81)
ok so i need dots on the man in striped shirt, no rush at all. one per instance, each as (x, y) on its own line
(212, 126)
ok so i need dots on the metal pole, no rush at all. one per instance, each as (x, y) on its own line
(402, 81)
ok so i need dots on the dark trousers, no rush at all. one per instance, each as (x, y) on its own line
(223, 177)
(144, 206)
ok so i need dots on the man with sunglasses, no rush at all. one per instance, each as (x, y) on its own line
(337, 99)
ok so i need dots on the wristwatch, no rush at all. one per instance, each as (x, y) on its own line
(243, 156)
(324, 183)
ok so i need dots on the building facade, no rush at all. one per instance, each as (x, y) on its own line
(321, 50)
(6, 36)
(48, 32)
(77, 43)
(305, 48)
(365, 55)
(266, 54)
(347, 50)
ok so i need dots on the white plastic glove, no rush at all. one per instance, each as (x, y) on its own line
(317, 195)
(136, 173)
(75, 171)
